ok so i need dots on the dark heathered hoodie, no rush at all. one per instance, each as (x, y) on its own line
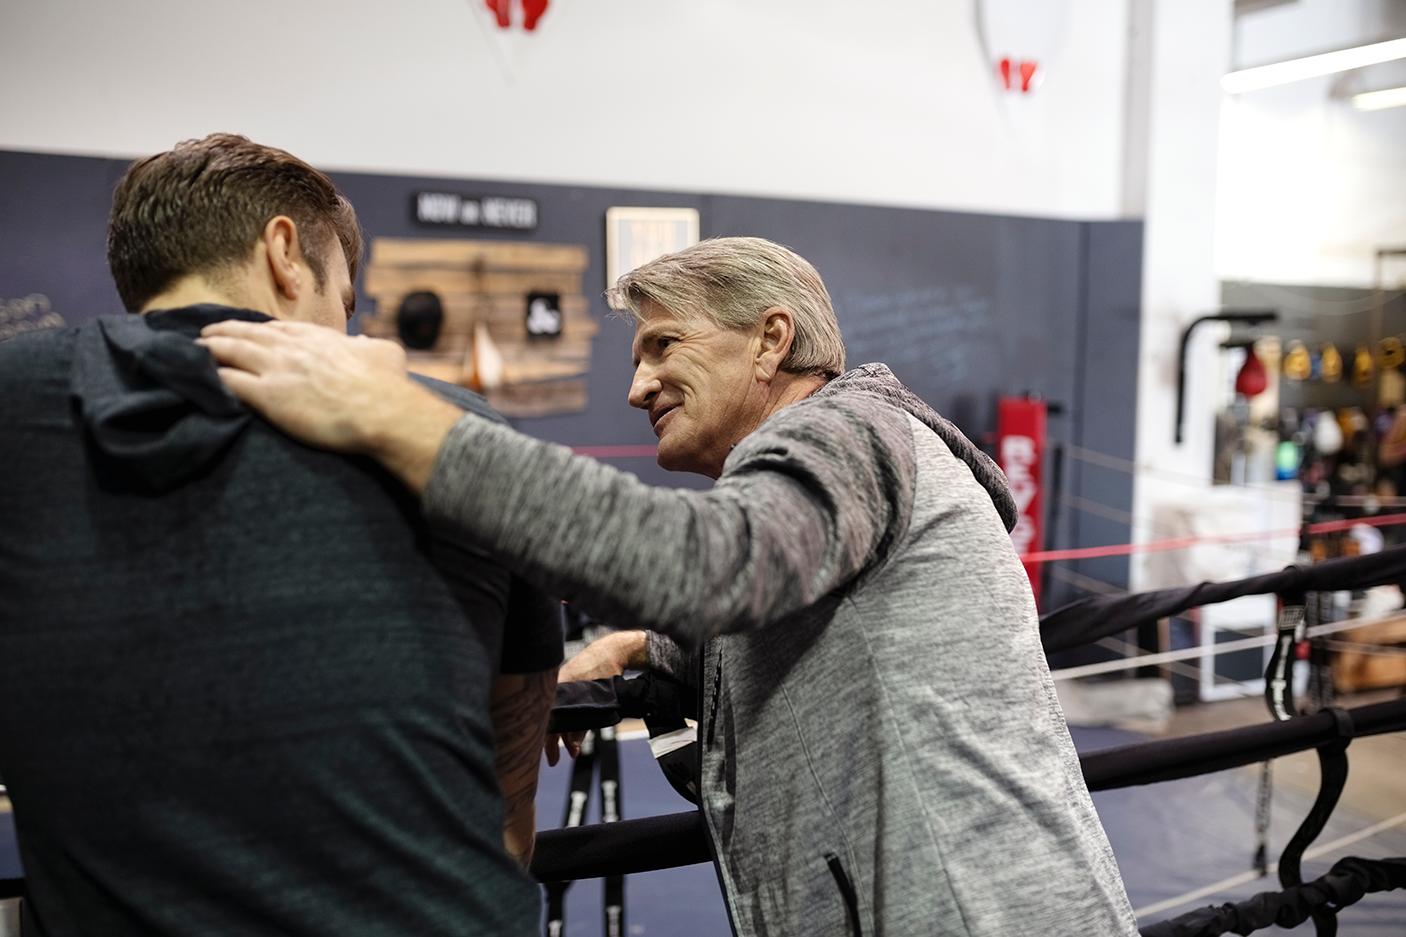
(236, 697)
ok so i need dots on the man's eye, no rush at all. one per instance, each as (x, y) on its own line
(666, 342)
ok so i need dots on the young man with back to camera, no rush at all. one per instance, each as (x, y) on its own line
(244, 688)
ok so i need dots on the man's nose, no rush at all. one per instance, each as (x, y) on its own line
(643, 387)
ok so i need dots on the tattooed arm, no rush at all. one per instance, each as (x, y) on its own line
(521, 704)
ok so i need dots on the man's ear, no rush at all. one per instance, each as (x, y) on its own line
(283, 253)
(778, 330)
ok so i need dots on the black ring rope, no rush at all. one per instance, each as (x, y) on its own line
(1098, 616)
(623, 848)
(1193, 755)
(1319, 900)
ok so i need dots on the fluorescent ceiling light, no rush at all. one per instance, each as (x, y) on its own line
(1281, 73)
(1378, 100)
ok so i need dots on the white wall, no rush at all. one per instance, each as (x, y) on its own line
(1311, 187)
(1283, 185)
(884, 101)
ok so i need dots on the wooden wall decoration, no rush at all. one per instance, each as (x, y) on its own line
(488, 289)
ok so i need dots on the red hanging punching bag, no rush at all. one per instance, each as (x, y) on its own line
(1252, 379)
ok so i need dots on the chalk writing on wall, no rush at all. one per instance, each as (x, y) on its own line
(939, 329)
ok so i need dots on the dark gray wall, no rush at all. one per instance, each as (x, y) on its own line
(53, 231)
(963, 307)
(1103, 418)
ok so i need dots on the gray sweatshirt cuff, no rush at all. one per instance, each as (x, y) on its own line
(667, 657)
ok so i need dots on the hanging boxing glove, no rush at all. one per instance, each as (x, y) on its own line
(1362, 368)
(1297, 366)
(1391, 354)
(1327, 433)
(1332, 367)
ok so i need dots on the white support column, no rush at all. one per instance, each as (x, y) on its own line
(1179, 50)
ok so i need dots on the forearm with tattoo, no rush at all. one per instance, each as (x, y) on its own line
(521, 705)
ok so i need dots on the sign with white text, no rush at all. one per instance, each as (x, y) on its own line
(465, 211)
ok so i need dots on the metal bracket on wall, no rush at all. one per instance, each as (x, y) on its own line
(1247, 316)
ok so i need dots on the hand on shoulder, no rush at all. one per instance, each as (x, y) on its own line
(332, 391)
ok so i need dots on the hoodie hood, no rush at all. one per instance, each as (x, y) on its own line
(877, 379)
(154, 411)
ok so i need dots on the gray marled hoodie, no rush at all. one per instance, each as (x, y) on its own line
(882, 749)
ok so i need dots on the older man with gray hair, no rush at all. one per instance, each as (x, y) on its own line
(881, 749)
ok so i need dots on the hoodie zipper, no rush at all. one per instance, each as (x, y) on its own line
(846, 890)
(717, 692)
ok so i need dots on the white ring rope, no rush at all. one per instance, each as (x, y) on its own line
(1148, 660)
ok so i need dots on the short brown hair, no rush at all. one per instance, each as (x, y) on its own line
(200, 207)
(733, 282)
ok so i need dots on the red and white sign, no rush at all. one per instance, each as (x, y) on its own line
(1020, 435)
(1022, 39)
(527, 14)
(512, 29)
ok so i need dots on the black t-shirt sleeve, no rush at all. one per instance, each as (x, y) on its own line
(461, 397)
(531, 638)
(532, 634)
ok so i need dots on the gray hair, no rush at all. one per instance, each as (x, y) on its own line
(733, 281)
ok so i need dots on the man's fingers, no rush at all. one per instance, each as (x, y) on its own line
(258, 331)
(242, 384)
(387, 352)
(236, 352)
(272, 346)
(252, 346)
(249, 331)
(553, 744)
(331, 391)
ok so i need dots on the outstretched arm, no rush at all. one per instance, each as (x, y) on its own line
(806, 502)
(804, 505)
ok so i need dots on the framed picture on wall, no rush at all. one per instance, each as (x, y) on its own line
(635, 236)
